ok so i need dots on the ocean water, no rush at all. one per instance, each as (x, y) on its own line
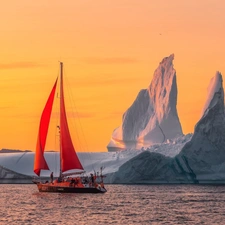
(122, 204)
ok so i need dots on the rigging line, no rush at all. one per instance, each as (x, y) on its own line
(79, 122)
(69, 91)
(76, 115)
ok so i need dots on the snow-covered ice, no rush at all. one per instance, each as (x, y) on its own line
(92, 161)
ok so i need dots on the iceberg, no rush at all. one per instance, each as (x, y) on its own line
(153, 117)
(202, 158)
(204, 155)
(9, 176)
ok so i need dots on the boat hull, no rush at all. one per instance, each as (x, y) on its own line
(66, 189)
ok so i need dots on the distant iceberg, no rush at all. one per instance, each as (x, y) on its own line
(22, 163)
(205, 153)
(9, 176)
(153, 117)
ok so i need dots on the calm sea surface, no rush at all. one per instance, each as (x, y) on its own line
(122, 204)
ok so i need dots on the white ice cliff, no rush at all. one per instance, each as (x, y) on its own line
(204, 155)
(152, 118)
(201, 160)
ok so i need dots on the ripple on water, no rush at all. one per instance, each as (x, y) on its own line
(122, 204)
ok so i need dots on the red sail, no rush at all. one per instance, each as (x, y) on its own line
(69, 159)
(39, 161)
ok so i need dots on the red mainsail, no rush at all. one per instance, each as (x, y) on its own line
(39, 161)
(69, 159)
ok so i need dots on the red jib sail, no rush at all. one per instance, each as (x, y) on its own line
(69, 159)
(39, 161)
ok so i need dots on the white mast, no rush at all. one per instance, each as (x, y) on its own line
(60, 145)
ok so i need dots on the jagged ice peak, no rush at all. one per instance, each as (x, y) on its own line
(152, 118)
(215, 85)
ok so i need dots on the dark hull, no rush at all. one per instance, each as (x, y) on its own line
(66, 189)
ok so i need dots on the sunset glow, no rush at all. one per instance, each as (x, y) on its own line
(110, 50)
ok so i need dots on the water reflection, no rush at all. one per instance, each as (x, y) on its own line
(122, 204)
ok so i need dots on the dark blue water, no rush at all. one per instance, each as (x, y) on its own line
(122, 204)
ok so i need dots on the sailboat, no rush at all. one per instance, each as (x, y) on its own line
(73, 182)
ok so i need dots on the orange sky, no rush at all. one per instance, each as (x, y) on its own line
(110, 50)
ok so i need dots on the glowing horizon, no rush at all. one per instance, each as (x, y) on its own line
(110, 51)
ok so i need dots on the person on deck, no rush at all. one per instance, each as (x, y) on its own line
(51, 176)
(92, 180)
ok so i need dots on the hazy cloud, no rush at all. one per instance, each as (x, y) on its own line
(6, 107)
(76, 115)
(110, 60)
(107, 80)
(18, 65)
